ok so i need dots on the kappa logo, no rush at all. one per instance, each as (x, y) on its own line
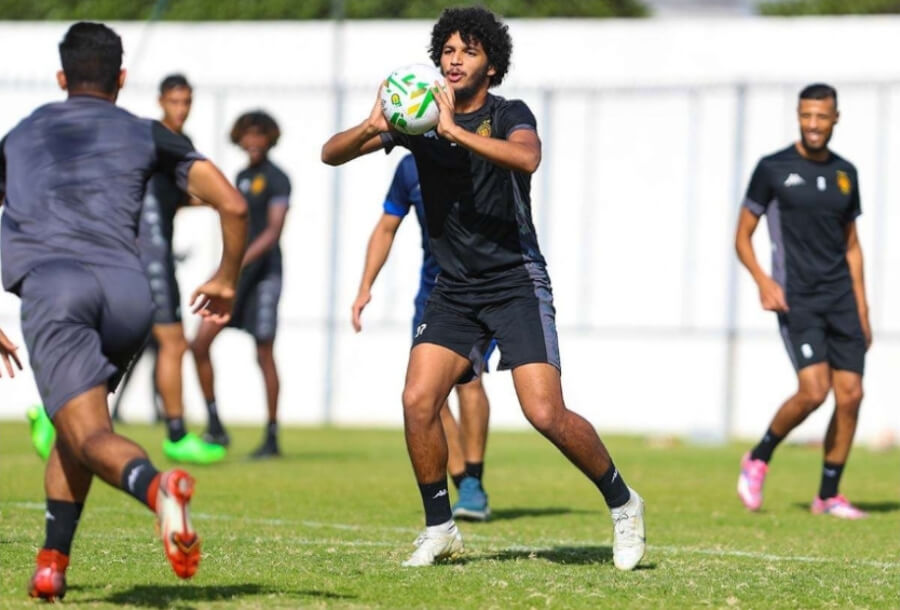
(820, 183)
(431, 134)
(807, 350)
(794, 180)
(439, 494)
(133, 476)
(420, 329)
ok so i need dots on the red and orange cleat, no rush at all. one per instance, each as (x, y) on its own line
(181, 543)
(49, 579)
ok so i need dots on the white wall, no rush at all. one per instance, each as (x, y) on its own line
(634, 204)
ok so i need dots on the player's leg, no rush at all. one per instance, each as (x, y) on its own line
(179, 445)
(474, 411)
(432, 372)
(200, 349)
(803, 333)
(456, 461)
(265, 355)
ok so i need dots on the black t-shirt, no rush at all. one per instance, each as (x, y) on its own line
(162, 200)
(263, 186)
(808, 206)
(74, 176)
(478, 213)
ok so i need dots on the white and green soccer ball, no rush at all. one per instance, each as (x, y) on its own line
(407, 99)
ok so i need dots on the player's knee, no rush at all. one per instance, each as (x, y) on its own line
(543, 415)
(418, 404)
(849, 398)
(813, 395)
(174, 347)
(199, 350)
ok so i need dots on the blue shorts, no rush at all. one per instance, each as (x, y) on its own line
(420, 302)
(83, 326)
(256, 303)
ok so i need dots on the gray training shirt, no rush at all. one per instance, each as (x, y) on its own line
(74, 175)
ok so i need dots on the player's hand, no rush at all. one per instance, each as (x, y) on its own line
(771, 296)
(362, 299)
(214, 300)
(446, 100)
(377, 120)
(8, 355)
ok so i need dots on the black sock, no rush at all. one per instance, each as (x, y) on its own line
(831, 478)
(763, 451)
(62, 519)
(475, 469)
(175, 428)
(613, 487)
(457, 478)
(214, 425)
(436, 501)
(272, 432)
(136, 478)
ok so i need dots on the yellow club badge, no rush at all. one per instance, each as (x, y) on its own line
(258, 185)
(843, 182)
(484, 129)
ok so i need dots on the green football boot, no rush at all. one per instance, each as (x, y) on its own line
(43, 434)
(192, 449)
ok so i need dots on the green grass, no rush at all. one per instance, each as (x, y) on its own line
(328, 526)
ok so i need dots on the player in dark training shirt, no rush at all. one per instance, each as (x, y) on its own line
(72, 182)
(810, 197)
(466, 440)
(267, 191)
(475, 172)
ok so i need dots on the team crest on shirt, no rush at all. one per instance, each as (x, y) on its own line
(484, 129)
(843, 182)
(258, 185)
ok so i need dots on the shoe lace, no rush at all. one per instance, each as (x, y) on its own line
(620, 523)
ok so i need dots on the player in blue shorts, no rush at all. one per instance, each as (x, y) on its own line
(466, 441)
(72, 181)
(267, 191)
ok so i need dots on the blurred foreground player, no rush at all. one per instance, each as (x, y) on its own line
(161, 202)
(267, 191)
(476, 181)
(466, 440)
(810, 197)
(73, 176)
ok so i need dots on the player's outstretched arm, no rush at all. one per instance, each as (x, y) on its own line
(8, 355)
(215, 298)
(771, 295)
(357, 141)
(376, 254)
(855, 263)
(521, 152)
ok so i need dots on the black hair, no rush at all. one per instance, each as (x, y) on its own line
(91, 56)
(819, 91)
(256, 119)
(474, 23)
(173, 81)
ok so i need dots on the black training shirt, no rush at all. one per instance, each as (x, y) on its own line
(478, 213)
(808, 206)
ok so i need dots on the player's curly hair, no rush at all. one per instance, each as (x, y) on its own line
(474, 23)
(256, 119)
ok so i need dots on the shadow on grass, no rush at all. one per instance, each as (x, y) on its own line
(572, 555)
(181, 596)
(869, 507)
(503, 514)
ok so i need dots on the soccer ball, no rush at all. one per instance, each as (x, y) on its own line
(407, 99)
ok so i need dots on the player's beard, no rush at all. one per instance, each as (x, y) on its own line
(814, 149)
(477, 82)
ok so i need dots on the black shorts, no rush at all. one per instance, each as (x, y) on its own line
(256, 303)
(812, 335)
(164, 289)
(83, 326)
(521, 318)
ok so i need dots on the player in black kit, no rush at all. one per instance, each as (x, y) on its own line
(267, 190)
(72, 182)
(475, 174)
(810, 197)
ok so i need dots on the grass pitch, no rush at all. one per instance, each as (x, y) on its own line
(329, 524)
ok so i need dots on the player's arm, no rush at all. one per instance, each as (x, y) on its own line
(269, 237)
(855, 262)
(771, 295)
(520, 151)
(8, 355)
(379, 247)
(357, 141)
